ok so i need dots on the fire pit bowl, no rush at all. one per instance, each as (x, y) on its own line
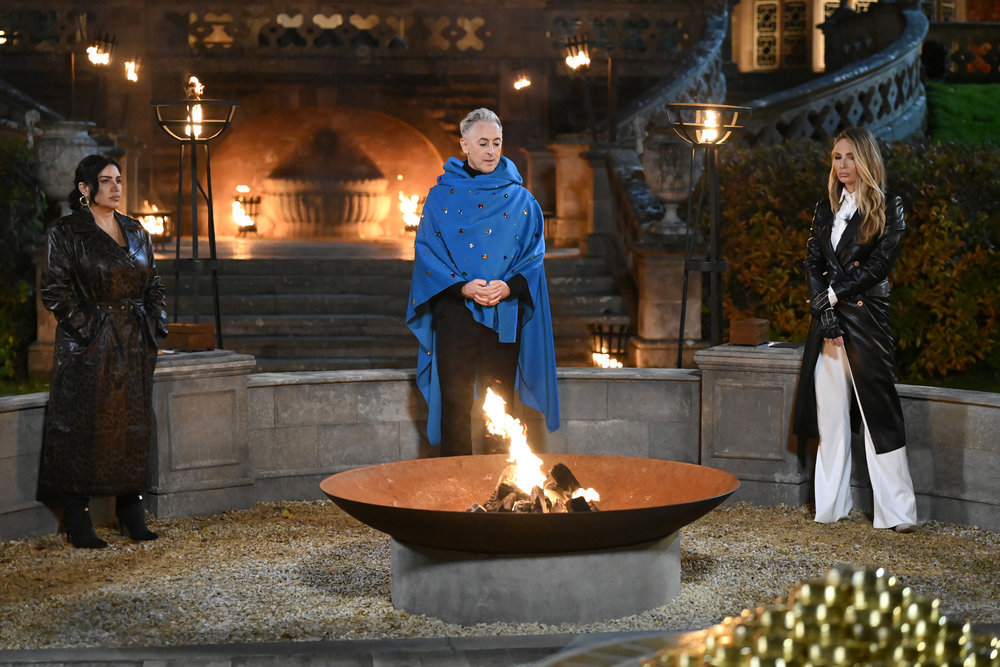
(423, 502)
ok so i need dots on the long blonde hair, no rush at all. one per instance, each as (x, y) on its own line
(870, 190)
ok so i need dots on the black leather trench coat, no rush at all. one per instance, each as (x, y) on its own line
(858, 274)
(109, 308)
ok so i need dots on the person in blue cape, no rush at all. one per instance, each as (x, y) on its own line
(479, 304)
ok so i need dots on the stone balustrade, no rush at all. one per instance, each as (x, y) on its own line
(882, 92)
(228, 439)
(645, 37)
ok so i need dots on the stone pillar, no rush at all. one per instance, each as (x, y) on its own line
(202, 456)
(603, 216)
(574, 192)
(660, 278)
(747, 394)
(540, 176)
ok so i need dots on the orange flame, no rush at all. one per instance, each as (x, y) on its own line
(528, 467)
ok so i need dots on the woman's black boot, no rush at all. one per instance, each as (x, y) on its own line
(132, 517)
(79, 528)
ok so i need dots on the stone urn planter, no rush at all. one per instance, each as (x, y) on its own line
(59, 149)
(327, 188)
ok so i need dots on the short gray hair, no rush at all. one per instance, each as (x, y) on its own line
(474, 117)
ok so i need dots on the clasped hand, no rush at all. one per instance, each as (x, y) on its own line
(486, 293)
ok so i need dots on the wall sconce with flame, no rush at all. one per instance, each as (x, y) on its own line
(578, 60)
(245, 210)
(521, 79)
(132, 69)
(609, 343)
(195, 121)
(99, 51)
(158, 223)
(707, 126)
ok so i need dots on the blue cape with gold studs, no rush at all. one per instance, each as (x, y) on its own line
(487, 227)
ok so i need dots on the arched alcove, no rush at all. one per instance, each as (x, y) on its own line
(366, 156)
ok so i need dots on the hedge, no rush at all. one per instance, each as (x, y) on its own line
(946, 283)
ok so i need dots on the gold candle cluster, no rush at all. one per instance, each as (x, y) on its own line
(852, 617)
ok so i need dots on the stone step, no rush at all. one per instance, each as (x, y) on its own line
(310, 314)
(376, 284)
(584, 305)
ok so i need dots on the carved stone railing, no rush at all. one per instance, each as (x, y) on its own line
(644, 37)
(963, 52)
(883, 93)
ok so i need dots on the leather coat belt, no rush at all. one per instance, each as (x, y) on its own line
(881, 290)
(122, 306)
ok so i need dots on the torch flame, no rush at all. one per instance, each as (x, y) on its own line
(98, 57)
(240, 216)
(195, 88)
(528, 467)
(132, 71)
(710, 134)
(408, 207)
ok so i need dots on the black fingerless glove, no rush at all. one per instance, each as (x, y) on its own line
(829, 326)
(819, 302)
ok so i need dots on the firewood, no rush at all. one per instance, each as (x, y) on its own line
(564, 478)
(522, 506)
(579, 504)
(477, 508)
(539, 503)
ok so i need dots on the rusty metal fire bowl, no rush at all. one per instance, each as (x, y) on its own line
(423, 502)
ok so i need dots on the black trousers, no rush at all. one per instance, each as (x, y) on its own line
(470, 357)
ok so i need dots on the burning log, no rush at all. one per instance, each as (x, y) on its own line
(523, 487)
(561, 493)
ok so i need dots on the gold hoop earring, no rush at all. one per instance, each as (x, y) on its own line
(84, 201)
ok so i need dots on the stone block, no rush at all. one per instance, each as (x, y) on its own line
(260, 408)
(573, 587)
(583, 399)
(291, 449)
(609, 437)
(652, 401)
(201, 421)
(314, 404)
(385, 401)
(675, 441)
(363, 444)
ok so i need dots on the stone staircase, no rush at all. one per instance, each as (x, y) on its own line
(339, 314)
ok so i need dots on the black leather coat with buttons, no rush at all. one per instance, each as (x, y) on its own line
(858, 273)
(109, 308)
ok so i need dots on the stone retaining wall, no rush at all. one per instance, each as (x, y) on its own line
(228, 439)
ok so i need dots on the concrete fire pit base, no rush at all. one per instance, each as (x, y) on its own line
(573, 587)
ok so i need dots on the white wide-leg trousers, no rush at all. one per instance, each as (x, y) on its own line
(892, 488)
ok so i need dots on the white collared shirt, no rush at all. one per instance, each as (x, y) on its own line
(848, 207)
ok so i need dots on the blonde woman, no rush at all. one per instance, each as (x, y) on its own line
(847, 380)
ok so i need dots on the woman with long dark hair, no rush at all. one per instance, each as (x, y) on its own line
(101, 283)
(847, 378)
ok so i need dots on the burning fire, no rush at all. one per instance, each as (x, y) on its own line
(240, 215)
(526, 471)
(710, 134)
(151, 222)
(98, 57)
(195, 91)
(408, 207)
(604, 360)
(132, 71)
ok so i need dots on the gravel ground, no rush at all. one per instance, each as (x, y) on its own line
(301, 571)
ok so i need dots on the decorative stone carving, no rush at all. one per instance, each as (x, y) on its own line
(328, 188)
(667, 165)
